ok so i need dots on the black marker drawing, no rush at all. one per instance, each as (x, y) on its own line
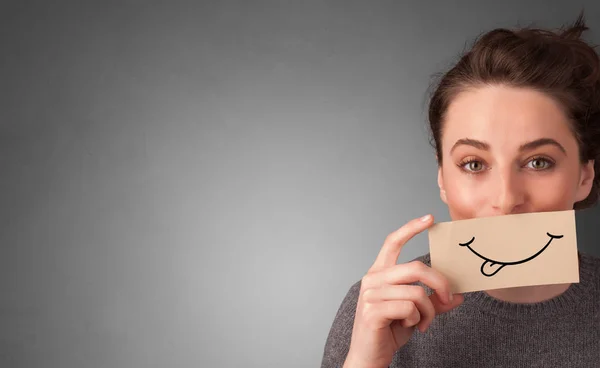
(490, 267)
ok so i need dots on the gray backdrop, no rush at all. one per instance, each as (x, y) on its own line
(199, 184)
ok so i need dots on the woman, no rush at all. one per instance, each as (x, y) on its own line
(516, 127)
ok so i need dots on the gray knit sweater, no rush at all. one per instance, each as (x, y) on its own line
(487, 332)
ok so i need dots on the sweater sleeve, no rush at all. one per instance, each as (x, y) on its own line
(338, 339)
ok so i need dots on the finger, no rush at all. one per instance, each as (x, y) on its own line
(440, 307)
(413, 293)
(406, 273)
(390, 251)
(388, 311)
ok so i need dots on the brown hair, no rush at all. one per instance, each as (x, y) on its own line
(559, 64)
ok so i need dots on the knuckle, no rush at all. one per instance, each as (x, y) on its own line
(365, 282)
(412, 313)
(401, 267)
(411, 307)
(398, 235)
(445, 283)
(368, 295)
(391, 239)
(421, 293)
(418, 266)
(442, 282)
(373, 280)
(422, 266)
(368, 314)
(398, 272)
(403, 232)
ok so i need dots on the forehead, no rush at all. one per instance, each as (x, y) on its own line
(504, 114)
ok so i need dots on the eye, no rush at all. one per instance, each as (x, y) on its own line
(471, 165)
(539, 163)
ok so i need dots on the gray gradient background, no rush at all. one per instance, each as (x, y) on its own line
(199, 184)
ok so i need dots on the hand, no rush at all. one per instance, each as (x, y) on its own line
(388, 308)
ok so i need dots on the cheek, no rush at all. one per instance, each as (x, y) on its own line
(555, 191)
(551, 195)
(466, 201)
(466, 195)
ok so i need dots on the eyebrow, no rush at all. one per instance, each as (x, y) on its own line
(524, 147)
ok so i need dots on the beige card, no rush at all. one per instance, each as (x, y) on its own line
(506, 251)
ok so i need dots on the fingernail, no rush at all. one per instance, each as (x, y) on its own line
(451, 297)
(425, 218)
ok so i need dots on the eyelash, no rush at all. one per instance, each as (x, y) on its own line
(461, 165)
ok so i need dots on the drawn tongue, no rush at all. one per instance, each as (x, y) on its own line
(490, 268)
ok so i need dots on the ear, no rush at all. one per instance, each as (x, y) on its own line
(586, 180)
(440, 181)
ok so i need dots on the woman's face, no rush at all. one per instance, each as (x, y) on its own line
(507, 151)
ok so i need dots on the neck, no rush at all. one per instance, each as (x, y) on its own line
(528, 294)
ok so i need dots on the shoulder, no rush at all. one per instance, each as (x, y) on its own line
(351, 299)
(589, 267)
(589, 263)
(588, 259)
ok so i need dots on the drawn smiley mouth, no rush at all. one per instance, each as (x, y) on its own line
(491, 267)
